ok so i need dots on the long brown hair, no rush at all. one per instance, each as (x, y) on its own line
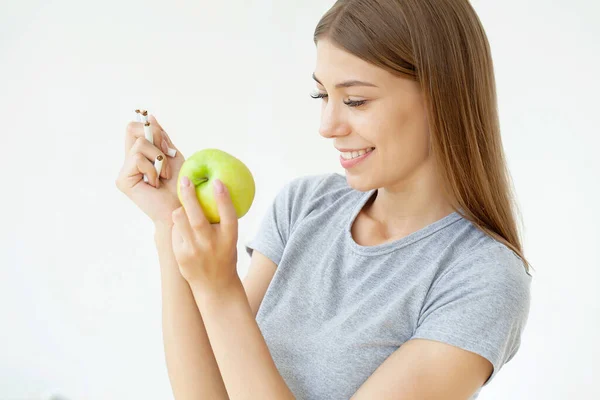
(442, 45)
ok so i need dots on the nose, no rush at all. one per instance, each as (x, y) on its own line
(333, 122)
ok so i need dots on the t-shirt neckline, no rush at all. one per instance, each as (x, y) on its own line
(396, 244)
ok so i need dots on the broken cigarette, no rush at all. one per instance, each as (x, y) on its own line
(148, 132)
(148, 135)
(158, 162)
(142, 116)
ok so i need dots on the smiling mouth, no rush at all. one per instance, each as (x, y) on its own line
(350, 155)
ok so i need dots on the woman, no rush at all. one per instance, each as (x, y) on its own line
(405, 279)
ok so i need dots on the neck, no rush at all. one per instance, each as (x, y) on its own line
(409, 205)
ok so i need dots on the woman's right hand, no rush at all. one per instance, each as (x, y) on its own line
(157, 198)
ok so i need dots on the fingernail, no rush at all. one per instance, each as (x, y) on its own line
(185, 182)
(171, 152)
(218, 186)
(164, 146)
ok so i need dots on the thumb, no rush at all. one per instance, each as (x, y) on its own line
(227, 213)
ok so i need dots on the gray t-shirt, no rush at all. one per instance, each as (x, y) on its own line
(335, 310)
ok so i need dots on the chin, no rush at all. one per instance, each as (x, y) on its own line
(360, 182)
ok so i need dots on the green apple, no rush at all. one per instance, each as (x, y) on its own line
(204, 166)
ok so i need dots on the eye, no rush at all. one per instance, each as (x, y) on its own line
(356, 103)
(318, 95)
(350, 103)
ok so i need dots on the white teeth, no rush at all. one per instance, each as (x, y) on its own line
(349, 155)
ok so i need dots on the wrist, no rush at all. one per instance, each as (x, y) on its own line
(163, 226)
(162, 231)
(209, 294)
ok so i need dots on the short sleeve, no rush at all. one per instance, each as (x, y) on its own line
(288, 207)
(480, 304)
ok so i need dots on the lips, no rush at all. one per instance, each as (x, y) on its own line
(354, 161)
(348, 155)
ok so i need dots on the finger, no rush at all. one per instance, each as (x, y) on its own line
(133, 170)
(177, 238)
(227, 213)
(192, 207)
(181, 222)
(152, 119)
(144, 147)
(138, 165)
(164, 146)
(169, 141)
(170, 149)
(135, 130)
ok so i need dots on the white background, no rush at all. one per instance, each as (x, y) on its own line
(79, 285)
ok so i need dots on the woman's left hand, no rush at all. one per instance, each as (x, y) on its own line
(206, 253)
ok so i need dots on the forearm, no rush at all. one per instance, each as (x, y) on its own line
(191, 365)
(248, 369)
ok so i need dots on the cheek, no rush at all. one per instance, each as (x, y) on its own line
(402, 143)
(411, 132)
(398, 131)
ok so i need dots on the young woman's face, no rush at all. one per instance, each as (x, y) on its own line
(389, 116)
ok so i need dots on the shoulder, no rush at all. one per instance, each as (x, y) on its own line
(480, 303)
(491, 275)
(496, 262)
(472, 251)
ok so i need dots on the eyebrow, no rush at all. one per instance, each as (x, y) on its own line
(347, 83)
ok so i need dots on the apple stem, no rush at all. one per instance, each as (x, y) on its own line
(200, 181)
